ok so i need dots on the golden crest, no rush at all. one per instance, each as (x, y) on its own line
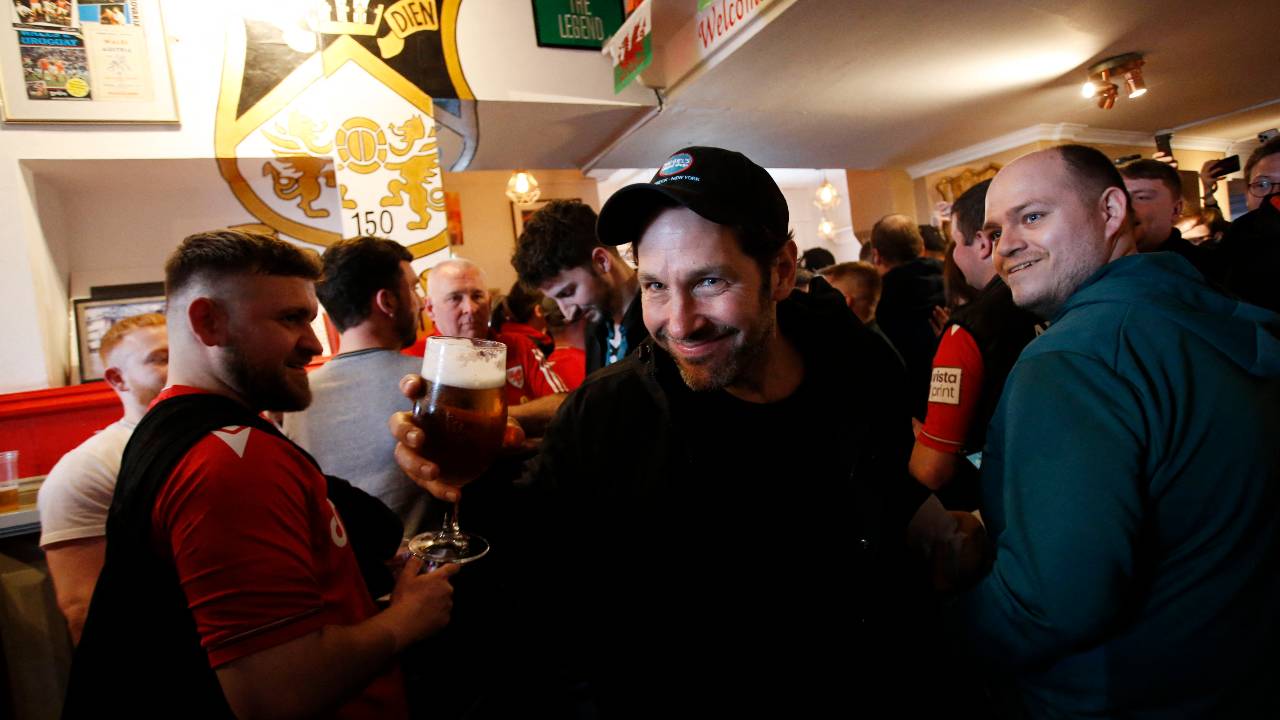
(306, 148)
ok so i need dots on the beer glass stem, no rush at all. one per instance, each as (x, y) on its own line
(450, 528)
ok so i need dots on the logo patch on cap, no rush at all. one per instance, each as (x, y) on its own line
(677, 163)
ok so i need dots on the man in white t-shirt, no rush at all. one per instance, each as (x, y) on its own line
(76, 495)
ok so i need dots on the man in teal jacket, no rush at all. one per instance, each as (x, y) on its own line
(1131, 475)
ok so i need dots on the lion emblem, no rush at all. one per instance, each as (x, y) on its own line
(416, 170)
(304, 166)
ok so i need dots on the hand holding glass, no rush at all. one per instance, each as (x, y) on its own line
(463, 416)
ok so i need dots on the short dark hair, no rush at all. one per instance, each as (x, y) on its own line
(355, 270)
(932, 237)
(1148, 169)
(558, 237)
(970, 210)
(1091, 171)
(228, 253)
(1270, 147)
(897, 239)
(814, 259)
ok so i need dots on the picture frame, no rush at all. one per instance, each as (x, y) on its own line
(93, 317)
(521, 212)
(105, 62)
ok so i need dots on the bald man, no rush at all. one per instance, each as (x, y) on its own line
(1130, 469)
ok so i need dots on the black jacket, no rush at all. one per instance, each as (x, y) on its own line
(674, 591)
(907, 298)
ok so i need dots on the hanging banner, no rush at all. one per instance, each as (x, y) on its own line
(719, 20)
(631, 48)
(576, 24)
(326, 128)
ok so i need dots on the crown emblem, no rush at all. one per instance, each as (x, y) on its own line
(348, 19)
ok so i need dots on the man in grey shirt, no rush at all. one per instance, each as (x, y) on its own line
(373, 297)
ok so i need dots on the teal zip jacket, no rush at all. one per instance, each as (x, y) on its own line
(1130, 482)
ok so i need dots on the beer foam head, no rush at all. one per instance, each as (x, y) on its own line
(465, 363)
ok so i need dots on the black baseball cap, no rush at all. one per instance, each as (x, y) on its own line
(722, 186)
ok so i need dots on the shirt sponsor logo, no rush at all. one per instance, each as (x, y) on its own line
(337, 532)
(677, 163)
(945, 386)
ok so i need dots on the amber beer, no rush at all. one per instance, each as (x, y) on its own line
(464, 412)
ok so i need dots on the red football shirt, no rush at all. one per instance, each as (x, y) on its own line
(954, 389)
(261, 552)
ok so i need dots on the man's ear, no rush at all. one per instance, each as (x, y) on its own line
(783, 271)
(985, 246)
(115, 379)
(208, 318)
(1177, 210)
(601, 260)
(386, 302)
(1114, 206)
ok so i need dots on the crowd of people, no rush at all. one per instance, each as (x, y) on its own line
(1017, 468)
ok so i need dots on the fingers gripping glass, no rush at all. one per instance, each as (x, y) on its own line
(462, 416)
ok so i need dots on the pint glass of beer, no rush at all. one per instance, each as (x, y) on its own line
(462, 416)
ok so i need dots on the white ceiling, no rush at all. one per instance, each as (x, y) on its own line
(863, 84)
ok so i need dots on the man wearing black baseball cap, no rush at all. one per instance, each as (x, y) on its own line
(686, 562)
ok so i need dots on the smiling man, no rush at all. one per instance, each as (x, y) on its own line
(697, 558)
(231, 586)
(1130, 469)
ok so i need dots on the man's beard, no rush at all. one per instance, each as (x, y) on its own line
(406, 327)
(265, 390)
(746, 351)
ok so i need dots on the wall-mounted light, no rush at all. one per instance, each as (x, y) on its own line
(522, 188)
(827, 196)
(1100, 87)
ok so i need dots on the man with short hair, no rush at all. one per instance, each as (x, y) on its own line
(558, 253)
(75, 496)
(1130, 469)
(231, 585)
(975, 354)
(912, 288)
(371, 293)
(1251, 245)
(669, 493)
(1156, 193)
(860, 284)
(459, 304)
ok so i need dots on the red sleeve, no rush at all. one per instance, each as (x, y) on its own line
(570, 364)
(954, 389)
(236, 516)
(543, 380)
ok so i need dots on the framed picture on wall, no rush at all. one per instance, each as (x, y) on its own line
(94, 317)
(520, 213)
(89, 61)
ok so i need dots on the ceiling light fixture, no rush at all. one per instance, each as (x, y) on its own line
(826, 229)
(522, 188)
(827, 195)
(1099, 86)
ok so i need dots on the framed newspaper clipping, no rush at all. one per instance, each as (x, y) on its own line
(91, 61)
